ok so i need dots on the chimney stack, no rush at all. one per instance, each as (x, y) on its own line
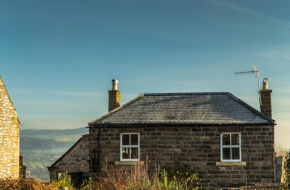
(266, 100)
(114, 96)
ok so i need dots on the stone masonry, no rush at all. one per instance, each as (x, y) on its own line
(114, 96)
(73, 161)
(199, 147)
(266, 99)
(9, 136)
(266, 106)
(114, 99)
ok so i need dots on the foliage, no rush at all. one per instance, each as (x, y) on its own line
(286, 172)
(88, 185)
(140, 177)
(180, 177)
(25, 184)
(265, 187)
(183, 176)
(64, 181)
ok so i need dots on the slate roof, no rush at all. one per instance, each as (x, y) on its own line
(69, 150)
(184, 108)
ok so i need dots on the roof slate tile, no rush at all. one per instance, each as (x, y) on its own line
(184, 108)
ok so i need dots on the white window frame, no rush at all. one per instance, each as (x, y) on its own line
(231, 146)
(129, 146)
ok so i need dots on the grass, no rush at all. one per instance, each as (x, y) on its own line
(140, 177)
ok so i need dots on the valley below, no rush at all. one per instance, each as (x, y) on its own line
(41, 148)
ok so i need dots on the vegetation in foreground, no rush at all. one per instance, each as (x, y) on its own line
(25, 184)
(140, 177)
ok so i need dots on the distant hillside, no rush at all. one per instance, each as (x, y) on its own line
(51, 133)
(41, 148)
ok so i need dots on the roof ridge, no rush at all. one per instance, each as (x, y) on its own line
(117, 109)
(186, 93)
(251, 108)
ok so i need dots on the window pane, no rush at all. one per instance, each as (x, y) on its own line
(134, 153)
(226, 153)
(226, 139)
(126, 153)
(236, 153)
(134, 139)
(235, 139)
(125, 139)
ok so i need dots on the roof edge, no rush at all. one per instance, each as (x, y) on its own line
(272, 121)
(186, 93)
(113, 125)
(117, 109)
(6, 90)
(68, 151)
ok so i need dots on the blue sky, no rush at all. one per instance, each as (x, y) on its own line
(57, 58)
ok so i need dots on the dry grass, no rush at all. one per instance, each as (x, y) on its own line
(266, 187)
(25, 184)
(136, 178)
(139, 177)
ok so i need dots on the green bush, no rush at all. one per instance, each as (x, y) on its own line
(286, 168)
(63, 182)
(140, 178)
(180, 177)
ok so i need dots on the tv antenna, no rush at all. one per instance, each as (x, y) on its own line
(255, 71)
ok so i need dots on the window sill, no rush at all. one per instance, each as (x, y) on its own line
(128, 163)
(221, 164)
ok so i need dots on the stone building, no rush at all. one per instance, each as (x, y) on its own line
(226, 141)
(9, 136)
(74, 162)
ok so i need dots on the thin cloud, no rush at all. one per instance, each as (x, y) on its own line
(277, 53)
(60, 93)
(245, 10)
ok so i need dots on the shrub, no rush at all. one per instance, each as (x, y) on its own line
(63, 182)
(25, 184)
(181, 176)
(265, 187)
(286, 172)
(139, 178)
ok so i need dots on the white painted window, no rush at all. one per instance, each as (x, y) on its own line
(231, 147)
(130, 147)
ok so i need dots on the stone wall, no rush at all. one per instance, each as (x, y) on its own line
(114, 99)
(266, 106)
(74, 160)
(9, 136)
(199, 147)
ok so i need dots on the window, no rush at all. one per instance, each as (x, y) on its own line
(231, 147)
(130, 147)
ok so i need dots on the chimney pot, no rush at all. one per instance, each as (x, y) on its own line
(115, 84)
(265, 84)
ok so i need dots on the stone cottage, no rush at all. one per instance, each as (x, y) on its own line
(74, 162)
(9, 136)
(226, 141)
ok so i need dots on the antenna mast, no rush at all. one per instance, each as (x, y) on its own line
(255, 71)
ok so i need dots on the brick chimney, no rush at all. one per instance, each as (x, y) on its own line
(114, 96)
(266, 100)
